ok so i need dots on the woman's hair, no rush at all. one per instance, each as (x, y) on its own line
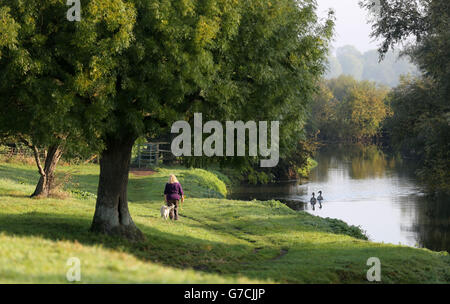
(173, 179)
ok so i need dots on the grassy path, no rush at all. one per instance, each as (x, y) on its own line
(216, 240)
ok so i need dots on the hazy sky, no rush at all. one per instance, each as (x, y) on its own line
(351, 24)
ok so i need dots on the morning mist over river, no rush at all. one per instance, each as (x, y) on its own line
(368, 188)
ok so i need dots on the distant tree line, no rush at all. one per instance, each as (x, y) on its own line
(348, 110)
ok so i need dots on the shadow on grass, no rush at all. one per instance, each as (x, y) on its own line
(20, 175)
(160, 247)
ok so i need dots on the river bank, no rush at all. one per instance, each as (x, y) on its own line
(216, 241)
(365, 186)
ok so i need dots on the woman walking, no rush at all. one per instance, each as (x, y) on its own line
(172, 195)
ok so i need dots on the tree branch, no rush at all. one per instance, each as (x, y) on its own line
(36, 154)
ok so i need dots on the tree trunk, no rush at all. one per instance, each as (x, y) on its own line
(45, 184)
(111, 211)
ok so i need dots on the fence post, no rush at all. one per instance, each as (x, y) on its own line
(139, 156)
(157, 154)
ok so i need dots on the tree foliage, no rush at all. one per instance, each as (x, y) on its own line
(420, 130)
(40, 76)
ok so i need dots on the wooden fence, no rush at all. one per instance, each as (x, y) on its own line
(149, 154)
(20, 151)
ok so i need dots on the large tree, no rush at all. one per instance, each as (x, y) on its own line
(133, 67)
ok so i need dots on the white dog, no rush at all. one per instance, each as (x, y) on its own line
(165, 210)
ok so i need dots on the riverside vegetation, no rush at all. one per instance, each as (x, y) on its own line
(216, 241)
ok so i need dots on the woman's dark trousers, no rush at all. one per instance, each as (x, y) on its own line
(173, 212)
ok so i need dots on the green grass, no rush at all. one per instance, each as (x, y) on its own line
(216, 240)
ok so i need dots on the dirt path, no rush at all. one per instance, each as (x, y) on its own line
(142, 172)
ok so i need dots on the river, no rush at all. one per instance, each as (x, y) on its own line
(365, 187)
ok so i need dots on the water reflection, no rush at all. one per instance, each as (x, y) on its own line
(363, 186)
